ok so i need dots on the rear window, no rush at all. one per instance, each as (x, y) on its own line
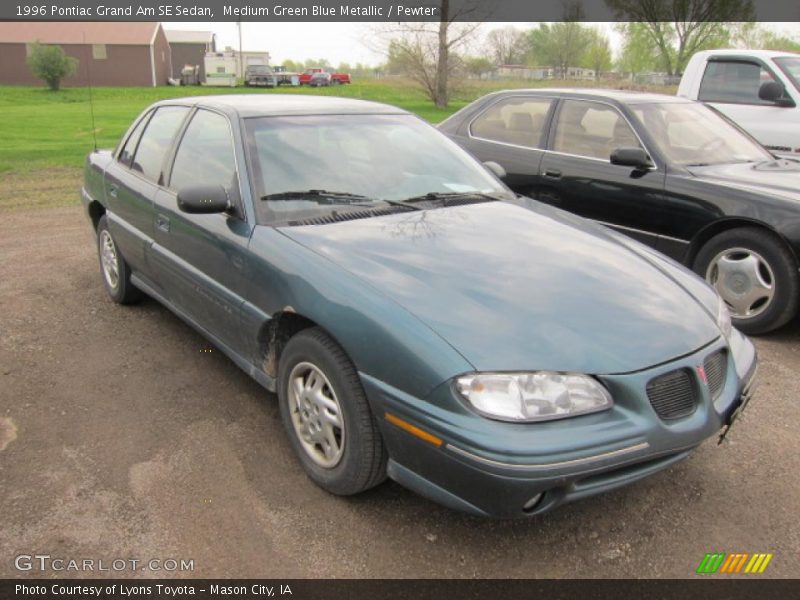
(156, 140)
(735, 82)
(518, 121)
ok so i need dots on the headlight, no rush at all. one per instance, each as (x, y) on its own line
(724, 319)
(537, 396)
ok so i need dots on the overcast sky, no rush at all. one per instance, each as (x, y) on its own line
(344, 42)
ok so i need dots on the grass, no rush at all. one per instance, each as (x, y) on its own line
(45, 136)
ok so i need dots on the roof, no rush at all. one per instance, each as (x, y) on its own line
(48, 32)
(271, 105)
(745, 52)
(180, 36)
(622, 96)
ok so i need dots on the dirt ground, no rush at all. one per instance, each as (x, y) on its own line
(122, 437)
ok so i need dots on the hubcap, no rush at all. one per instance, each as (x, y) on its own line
(316, 415)
(109, 259)
(744, 280)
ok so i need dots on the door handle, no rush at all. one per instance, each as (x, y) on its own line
(112, 190)
(552, 173)
(162, 223)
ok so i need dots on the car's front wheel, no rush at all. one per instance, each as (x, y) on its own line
(115, 271)
(756, 276)
(326, 415)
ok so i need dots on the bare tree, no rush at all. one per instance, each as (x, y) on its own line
(507, 46)
(429, 52)
(679, 28)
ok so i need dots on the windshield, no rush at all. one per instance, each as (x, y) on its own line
(259, 69)
(379, 158)
(790, 65)
(690, 134)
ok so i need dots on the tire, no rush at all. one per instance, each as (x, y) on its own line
(755, 274)
(115, 272)
(356, 461)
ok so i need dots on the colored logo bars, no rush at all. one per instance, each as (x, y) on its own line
(737, 562)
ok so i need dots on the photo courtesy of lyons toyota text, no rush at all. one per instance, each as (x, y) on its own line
(432, 298)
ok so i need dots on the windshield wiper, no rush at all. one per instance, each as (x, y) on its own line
(319, 196)
(443, 197)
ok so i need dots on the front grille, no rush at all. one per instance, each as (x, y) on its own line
(673, 395)
(716, 368)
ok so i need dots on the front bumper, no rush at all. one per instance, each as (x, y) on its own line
(509, 470)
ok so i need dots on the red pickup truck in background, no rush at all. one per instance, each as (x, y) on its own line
(336, 78)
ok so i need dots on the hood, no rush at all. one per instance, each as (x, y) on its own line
(780, 177)
(512, 288)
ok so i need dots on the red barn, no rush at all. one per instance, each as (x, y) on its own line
(115, 53)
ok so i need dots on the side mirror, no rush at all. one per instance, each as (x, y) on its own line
(203, 199)
(631, 157)
(495, 168)
(772, 91)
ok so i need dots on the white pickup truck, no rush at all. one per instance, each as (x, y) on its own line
(757, 89)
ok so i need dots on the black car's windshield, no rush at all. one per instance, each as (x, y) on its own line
(379, 158)
(692, 134)
(790, 65)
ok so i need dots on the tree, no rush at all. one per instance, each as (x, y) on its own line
(639, 53)
(753, 35)
(559, 45)
(679, 28)
(428, 53)
(51, 64)
(507, 46)
(598, 53)
(478, 65)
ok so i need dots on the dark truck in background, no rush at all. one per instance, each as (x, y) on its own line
(259, 75)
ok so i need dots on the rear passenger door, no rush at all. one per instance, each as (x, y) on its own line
(511, 132)
(202, 258)
(577, 174)
(132, 181)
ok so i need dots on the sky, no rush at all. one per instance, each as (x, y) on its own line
(345, 42)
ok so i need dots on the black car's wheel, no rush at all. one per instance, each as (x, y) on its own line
(756, 276)
(115, 271)
(325, 413)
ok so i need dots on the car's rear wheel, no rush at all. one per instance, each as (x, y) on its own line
(115, 271)
(326, 415)
(756, 276)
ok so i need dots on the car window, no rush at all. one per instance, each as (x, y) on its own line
(790, 65)
(592, 129)
(156, 140)
(734, 81)
(518, 121)
(379, 157)
(692, 134)
(205, 155)
(126, 154)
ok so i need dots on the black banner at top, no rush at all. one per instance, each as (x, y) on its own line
(399, 10)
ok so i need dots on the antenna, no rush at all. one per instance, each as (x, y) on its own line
(91, 96)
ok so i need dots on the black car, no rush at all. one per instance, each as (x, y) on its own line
(667, 171)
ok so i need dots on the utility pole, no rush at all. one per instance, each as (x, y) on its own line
(241, 60)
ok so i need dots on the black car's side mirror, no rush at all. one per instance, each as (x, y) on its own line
(631, 157)
(203, 199)
(772, 91)
(496, 168)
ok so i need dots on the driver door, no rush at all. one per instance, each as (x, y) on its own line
(576, 173)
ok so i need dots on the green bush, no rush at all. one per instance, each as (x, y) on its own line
(51, 64)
